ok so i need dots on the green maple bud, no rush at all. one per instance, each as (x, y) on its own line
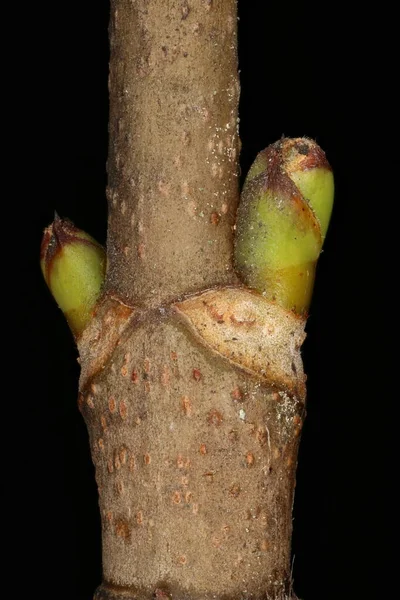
(73, 265)
(282, 219)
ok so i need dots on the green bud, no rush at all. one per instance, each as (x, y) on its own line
(282, 221)
(73, 265)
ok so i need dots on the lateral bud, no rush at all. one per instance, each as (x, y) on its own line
(73, 265)
(282, 219)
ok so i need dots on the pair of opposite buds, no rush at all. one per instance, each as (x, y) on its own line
(282, 220)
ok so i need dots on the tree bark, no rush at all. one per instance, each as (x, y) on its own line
(172, 167)
(192, 387)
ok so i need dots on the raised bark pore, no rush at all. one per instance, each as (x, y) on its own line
(192, 387)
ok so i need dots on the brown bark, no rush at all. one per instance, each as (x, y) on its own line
(193, 397)
(173, 170)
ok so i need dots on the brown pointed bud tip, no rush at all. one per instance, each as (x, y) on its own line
(301, 154)
(297, 168)
(73, 266)
(55, 236)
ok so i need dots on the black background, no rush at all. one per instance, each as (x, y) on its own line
(304, 71)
